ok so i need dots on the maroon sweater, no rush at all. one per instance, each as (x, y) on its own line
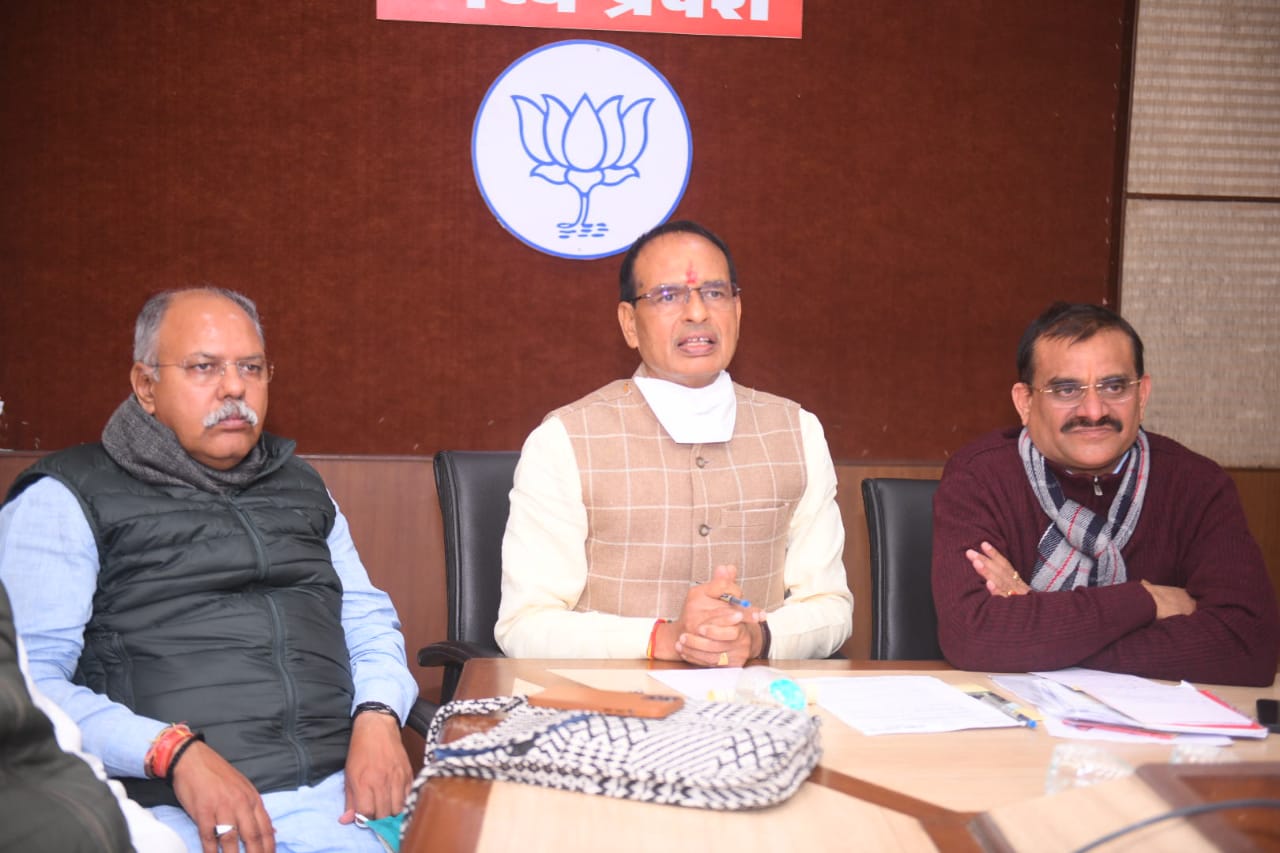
(1192, 533)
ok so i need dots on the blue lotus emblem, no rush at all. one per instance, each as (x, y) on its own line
(584, 148)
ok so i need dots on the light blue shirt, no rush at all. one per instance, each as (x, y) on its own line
(49, 565)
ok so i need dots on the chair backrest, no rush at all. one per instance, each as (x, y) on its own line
(474, 489)
(904, 623)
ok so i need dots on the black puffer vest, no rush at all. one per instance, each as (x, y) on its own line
(221, 611)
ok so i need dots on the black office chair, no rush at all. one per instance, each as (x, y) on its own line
(473, 487)
(904, 623)
(420, 716)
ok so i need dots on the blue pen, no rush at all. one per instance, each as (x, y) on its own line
(734, 600)
(998, 702)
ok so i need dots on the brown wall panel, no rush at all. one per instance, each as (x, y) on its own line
(905, 186)
(395, 520)
(391, 505)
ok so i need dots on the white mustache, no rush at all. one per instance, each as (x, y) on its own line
(231, 409)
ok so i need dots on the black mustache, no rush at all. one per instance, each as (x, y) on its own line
(1086, 423)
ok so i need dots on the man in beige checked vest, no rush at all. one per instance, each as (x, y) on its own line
(676, 515)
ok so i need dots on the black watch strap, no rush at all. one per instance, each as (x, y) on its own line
(377, 708)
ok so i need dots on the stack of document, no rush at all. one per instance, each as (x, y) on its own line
(874, 705)
(906, 704)
(1073, 703)
(1089, 700)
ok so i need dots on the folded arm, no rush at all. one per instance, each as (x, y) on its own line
(1234, 632)
(1135, 627)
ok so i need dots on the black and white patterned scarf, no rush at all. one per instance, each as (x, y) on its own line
(1080, 548)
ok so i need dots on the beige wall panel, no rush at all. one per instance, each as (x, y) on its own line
(1206, 99)
(1202, 287)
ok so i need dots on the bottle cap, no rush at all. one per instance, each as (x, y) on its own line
(787, 693)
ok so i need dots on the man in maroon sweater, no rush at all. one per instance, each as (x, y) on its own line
(1082, 540)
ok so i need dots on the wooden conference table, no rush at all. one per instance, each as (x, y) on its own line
(967, 790)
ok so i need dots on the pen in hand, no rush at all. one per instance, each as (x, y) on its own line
(734, 600)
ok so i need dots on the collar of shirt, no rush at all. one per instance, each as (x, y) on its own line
(692, 415)
(1114, 471)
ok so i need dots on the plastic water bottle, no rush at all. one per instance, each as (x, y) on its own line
(764, 685)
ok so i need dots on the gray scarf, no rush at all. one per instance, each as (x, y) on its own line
(1080, 548)
(150, 451)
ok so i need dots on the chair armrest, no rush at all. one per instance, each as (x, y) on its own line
(454, 653)
(420, 716)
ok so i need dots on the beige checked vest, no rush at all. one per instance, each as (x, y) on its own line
(662, 515)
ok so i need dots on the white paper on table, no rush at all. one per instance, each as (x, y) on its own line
(714, 683)
(520, 687)
(1149, 702)
(1057, 728)
(1058, 703)
(904, 704)
(1056, 700)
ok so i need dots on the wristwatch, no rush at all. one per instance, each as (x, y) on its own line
(377, 708)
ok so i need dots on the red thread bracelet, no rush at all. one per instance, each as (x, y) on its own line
(163, 749)
(653, 637)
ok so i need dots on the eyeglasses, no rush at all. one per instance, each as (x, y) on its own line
(667, 297)
(1072, 393)
(207, 371)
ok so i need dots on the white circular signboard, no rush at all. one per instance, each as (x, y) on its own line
(579, 147)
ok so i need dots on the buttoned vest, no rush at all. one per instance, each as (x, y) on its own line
(219, 610)
(661, 515)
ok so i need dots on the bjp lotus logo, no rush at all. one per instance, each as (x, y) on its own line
(587, 148)
(580, 147)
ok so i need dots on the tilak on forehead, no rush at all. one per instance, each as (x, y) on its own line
(690, 275)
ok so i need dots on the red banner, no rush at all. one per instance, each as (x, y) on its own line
(763, 18)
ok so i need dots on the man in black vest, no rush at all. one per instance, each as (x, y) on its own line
(189, 593)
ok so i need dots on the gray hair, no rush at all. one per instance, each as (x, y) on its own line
(146, 330)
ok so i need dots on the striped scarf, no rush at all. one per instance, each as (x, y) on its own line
(1080, 548)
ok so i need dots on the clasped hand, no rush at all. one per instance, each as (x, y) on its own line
(714, 632)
